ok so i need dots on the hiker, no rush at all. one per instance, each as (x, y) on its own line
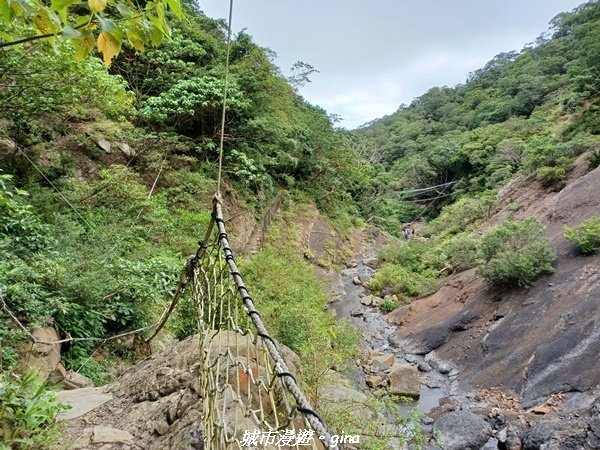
(407, 234)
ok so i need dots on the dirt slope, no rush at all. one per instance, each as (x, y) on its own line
(534, 342)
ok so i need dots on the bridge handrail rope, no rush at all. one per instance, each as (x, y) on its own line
(281, 368)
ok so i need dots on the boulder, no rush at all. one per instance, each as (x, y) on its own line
(371, 262)
(43, 357)
(7, 145)
(437, 363)
(539, 434)
(111, 435)
(404, 381)
(374, 381)
(459, 430)
(104, 145)
(386, 358)
(74, 380)
(126, 149)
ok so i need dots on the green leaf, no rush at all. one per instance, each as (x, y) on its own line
(71, 33)
(135, 39)
(175, 6)
(107, 25)
(156, 34)
(57, 5)
(5, 12)
(84, 45)
(124, 10)
(43, 23)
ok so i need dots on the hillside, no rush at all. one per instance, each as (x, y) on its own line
(106, 184)
(529, 341)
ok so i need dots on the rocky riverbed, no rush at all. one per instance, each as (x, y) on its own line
(484, 417)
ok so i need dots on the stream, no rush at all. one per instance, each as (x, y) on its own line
(375, 329)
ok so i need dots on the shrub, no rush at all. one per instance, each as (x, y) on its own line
(593, 159)
(586, 237)
(463, 215)
(516, 252)
(388, 305)
(28, 413)
(404, 281)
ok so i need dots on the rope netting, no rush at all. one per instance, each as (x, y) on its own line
(251, 397)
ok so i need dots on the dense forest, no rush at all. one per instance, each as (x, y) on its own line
(533, 110)
(107, 173)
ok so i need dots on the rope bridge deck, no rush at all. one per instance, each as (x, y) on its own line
(251, 398)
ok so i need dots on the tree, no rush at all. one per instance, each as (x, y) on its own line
(301, 72)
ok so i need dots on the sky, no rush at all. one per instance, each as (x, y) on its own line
(374, 55)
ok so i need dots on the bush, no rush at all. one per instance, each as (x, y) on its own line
(28, 413)
(404, 281)
(516, 252)
(586, 237)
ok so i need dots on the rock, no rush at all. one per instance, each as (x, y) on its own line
(423, 366)
(126, 149)
(110, 435)
(459, 430)
(364, 277)
(367, 300)
(351, 265)
(356, 281)
(104, 145)
(43, 357)
(593, 434)
(376, 301)
(374, 381)
(356, 313)
(161, 428)
(372, 262)
(426, 420)
(387, 359)
(491, 444)
(82, 401)
(437, 363)
(74, 380)
(539, 434)
(404, 381)
(541, 410)
(7, 145)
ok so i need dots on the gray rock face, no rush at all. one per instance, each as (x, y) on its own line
(539, 434)
(459, 430)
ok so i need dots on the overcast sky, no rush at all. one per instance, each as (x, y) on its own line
(374, 55)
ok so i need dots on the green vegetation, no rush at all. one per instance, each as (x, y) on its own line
(28, 414)
(528, 111)
(586, 236)
(516, 252)
(293, 305)
(101, 23)
(92, 239)
(371, 419)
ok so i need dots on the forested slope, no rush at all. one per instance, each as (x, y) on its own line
(533, 110)
(107, 175)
